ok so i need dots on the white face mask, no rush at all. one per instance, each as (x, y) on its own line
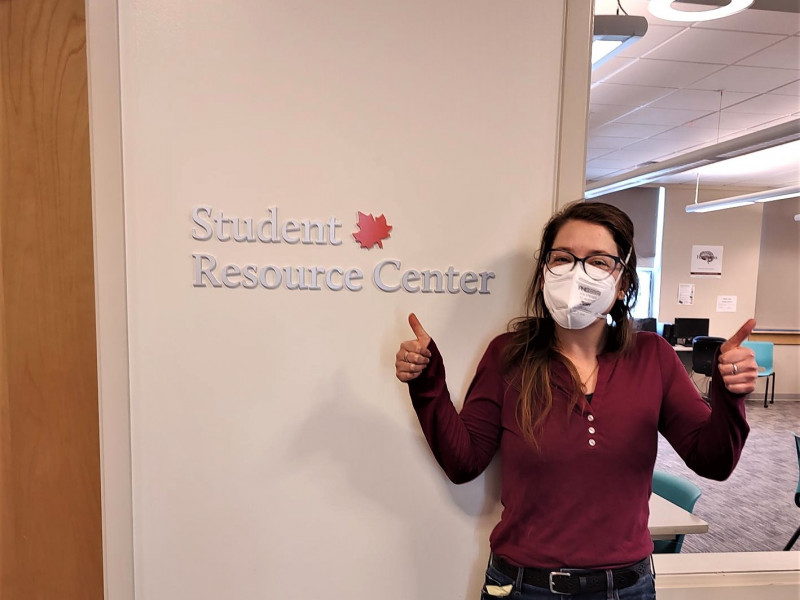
(575, 300)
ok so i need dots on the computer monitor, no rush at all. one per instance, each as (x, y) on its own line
(685, 330)
(648, 324)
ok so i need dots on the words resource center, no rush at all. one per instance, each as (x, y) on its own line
(387, 275)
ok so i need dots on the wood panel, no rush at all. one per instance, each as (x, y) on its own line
(50, 511)
(779, 338)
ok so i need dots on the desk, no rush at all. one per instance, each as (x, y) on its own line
(668, 520)
(685, 354)
(728, 576)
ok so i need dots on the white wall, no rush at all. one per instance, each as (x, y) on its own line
(273, 453)
(778, 304)
(739, 232)
(778, 295)
(110, 301)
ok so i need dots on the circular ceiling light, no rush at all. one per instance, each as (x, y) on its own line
(663, 10)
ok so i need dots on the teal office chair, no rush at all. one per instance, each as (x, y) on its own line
(763, 352)
(797, 493)
(679, 491)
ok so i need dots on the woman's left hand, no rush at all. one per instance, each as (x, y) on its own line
(737, 365)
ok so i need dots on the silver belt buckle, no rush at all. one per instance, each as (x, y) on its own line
(552, 583)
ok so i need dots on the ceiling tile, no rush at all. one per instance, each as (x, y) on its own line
(746, 79)
(793, 89)
(662, 116)
(602, 142)
(655, 36)
(630, 130)
(700, 99)
(734, 120)
(609, 67)
(627, 95)
(596, 152)
(662, 146)
(783, 55)
(713, 46)
(769, 104)
(758, 21)
(600, 114)
(662, 71)
(691, 133)
(655, 72)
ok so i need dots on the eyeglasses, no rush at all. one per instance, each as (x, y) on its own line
(596, 266)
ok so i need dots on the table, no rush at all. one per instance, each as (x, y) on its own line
(728, 575)
(685, 354)
(668, 520)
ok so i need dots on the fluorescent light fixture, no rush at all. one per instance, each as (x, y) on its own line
(744, 144)
(663, 9)
(602, 48)
(745, 199)
(613, 33)
(783, 158)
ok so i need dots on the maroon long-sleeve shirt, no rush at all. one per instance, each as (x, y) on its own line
(581, 498)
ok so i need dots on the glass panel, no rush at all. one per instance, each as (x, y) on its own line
(644, 305)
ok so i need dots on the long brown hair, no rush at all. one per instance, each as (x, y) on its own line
(533, 344)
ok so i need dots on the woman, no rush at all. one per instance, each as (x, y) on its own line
(575, 405)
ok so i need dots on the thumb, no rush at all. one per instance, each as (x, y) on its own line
(416, 327)
(737, 338)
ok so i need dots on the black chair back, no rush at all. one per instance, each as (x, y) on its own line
(703, 349)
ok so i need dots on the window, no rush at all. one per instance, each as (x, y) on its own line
(644, 305)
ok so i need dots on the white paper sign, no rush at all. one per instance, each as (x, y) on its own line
(686, 294)
(726, 303)
(706, 261)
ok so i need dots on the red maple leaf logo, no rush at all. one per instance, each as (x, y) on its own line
(371, 230)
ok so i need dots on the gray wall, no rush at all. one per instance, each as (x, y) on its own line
(641, 205)
(739, 231)
(778, 296)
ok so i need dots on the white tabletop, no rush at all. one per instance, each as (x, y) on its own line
(727, 562)
(668, 520)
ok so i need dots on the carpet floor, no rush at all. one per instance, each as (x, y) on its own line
(754, 509)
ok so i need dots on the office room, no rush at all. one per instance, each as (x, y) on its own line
(651, 130)
(231, 208)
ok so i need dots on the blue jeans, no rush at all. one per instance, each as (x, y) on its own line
(643, 589)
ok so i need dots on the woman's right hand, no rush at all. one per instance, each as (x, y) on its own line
(413, 355)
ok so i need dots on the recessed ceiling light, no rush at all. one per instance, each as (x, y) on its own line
(663, 9)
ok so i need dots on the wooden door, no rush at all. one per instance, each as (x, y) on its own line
(50, 512)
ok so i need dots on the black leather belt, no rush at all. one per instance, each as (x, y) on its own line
(574, 581)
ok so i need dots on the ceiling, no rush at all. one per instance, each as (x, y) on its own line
(661, 96)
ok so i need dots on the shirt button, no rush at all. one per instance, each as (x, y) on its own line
(592, 442)
(591, 429)
(590, 418)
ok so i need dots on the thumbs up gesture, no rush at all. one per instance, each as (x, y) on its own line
(413, 355)
(737, 365)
